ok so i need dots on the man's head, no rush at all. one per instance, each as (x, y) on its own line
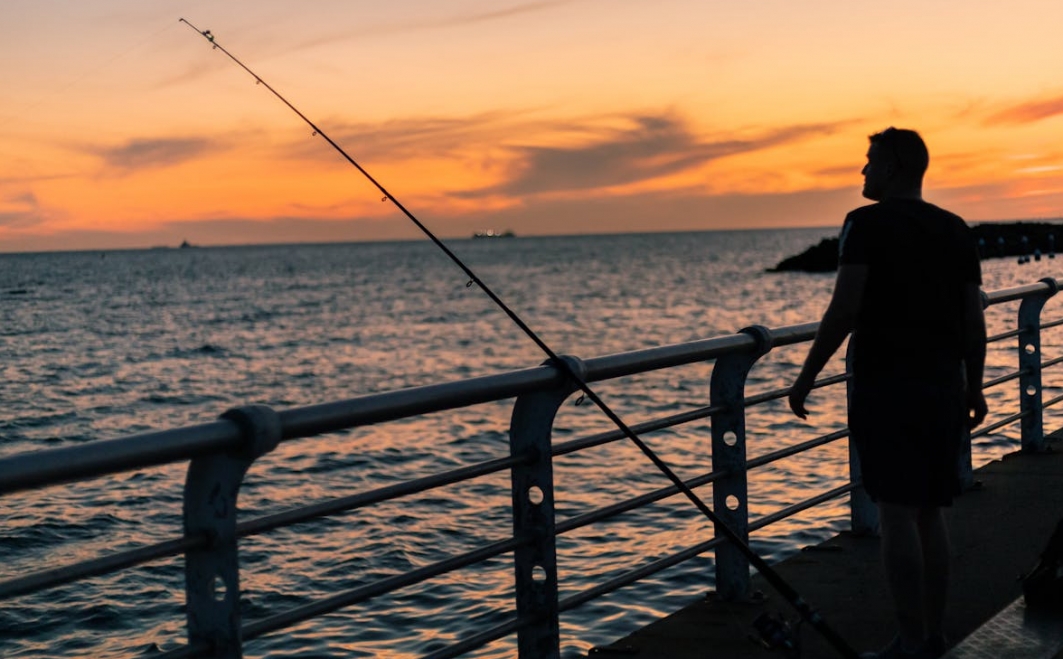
(896, 162)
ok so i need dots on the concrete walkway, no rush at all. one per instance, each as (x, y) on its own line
(997, 531)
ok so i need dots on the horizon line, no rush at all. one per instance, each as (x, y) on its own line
(190, 245)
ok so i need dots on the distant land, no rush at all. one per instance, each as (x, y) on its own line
(995, 240)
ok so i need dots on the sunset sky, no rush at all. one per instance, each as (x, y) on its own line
(121, 127)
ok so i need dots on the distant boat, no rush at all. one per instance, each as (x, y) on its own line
(491, 233)
(185, 244)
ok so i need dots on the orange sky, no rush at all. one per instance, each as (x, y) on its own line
(120, 127)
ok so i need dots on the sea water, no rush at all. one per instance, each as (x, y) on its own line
(100, 345)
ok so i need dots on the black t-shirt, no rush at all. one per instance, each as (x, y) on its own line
(919, 259)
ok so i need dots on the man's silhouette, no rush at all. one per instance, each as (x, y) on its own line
(908, 290)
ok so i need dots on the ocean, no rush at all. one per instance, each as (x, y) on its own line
(100, 345)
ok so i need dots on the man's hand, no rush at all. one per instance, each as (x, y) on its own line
(798, 393)
(976, 408)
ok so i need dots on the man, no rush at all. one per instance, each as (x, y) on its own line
(908, 290)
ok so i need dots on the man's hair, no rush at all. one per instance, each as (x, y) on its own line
(907, 148)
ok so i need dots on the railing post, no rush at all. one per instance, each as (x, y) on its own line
(730, 492)
(1030, 399)
(212, 574)
(863, 513)
(535, 563)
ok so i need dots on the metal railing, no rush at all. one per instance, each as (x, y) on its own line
(219, 454)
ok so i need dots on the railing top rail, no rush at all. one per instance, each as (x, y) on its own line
(1046, 286)
(51, 466)
(69, 463)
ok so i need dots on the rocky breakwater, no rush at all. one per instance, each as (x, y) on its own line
(1022, 240)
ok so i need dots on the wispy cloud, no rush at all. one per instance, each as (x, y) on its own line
(608, 150)
(652, 147)
(152, 153)
(20, 210)
(399, 139)
(20, 220)
(506, 12)
(32, 178)
(435, 23)
(1029, 112)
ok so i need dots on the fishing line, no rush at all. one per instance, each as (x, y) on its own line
(765, 570)
(91, 71)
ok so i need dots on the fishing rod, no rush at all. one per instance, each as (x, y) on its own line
(774, 578)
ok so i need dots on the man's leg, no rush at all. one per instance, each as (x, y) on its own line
(936, 560)
(902, 560)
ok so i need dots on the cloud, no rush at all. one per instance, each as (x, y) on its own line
(20, 220)
(644, 147)
(472, 18)
(33, 178)
(412, 138)
(22, 199)
(458, 20)
(152, 153)
(20, 211)
(654, 146)
(1029, 112)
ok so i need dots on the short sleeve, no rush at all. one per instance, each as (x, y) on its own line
(853, 243)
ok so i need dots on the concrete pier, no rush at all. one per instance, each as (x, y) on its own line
(997, 529)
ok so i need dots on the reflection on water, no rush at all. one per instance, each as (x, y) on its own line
(101, 348)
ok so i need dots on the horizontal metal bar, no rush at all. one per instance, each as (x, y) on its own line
(1005, 378)
(368, 591)
(789, 511)
(598, 439)
(54, 466)
(606, 587)
(392, 405)
(44, 579)
(776, 394)
(479, 640)
(791, 334)
(1052, 402)
(999, 424)
(653, 359)
(681, 354)
(1052, 323)
(343, 504)
(822, 440)
(1019, 292)
(605, 512)
(1051, 362)
(1003, 335)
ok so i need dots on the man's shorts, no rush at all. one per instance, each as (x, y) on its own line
(908, 433)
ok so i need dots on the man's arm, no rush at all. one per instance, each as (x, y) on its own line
(837, 322)
(974, 334)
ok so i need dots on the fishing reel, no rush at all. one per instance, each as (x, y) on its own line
(774, 633)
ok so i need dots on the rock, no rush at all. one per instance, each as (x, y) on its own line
(995, 240)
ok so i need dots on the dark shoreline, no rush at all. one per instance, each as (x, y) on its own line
(995, 240)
